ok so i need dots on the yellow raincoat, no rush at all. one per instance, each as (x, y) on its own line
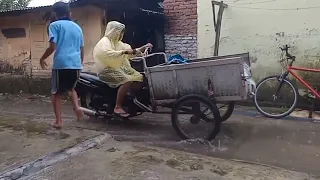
(112, 64)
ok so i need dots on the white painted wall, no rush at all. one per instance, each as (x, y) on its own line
(260, 27)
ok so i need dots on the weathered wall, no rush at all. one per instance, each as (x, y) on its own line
(91, 21)
(14, 52)
(19, 57)
(260, 28)
(181, 35)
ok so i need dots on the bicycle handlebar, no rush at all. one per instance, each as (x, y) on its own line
(289, 56)
(285, 48)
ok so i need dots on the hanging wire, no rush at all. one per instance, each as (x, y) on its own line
(259, 2)
(266, 1)
(246, 1)
(283, 63)
(280, 9)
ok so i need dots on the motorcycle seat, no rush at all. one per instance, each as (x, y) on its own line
(89, 76)
(90, 73)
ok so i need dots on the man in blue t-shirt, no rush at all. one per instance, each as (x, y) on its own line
(66, 40)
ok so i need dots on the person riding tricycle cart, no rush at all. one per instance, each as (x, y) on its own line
(191, 90)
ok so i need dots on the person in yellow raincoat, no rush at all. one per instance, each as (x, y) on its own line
(112, 56)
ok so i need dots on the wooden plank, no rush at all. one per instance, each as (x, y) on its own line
(219, 3)
(214, 17)
(218, 28)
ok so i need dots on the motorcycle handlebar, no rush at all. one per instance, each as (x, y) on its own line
(146, 51)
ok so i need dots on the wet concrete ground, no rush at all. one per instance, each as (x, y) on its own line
(292, 145)
(127, 162)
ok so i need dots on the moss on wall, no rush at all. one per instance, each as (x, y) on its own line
(20, 84)
(310, 77)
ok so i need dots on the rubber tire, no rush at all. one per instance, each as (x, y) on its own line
(229, 111)
(215, 112)
(296, 93)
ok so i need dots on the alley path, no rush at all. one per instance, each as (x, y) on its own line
(292, 145)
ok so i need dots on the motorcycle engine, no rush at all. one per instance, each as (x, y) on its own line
(97, 102)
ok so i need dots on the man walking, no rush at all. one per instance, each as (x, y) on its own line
(66, 40)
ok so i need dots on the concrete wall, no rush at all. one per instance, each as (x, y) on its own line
(181, 31)
(19, 57)
(260, 27)
(14, 52)
(91, 21)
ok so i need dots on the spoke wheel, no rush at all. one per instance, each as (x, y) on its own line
(272, 104)
(188, 118)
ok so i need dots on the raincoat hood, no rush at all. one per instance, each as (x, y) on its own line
(113, 31)
(108, 53)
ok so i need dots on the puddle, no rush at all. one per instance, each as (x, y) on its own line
(19, 124)
(213, 146)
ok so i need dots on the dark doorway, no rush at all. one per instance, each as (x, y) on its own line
(141, 27)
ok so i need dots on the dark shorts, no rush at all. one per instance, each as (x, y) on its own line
(64, 80)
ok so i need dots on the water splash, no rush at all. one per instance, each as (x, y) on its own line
(205, 143)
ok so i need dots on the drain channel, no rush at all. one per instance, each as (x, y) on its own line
(52, 158)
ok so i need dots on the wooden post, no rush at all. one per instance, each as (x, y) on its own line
(217, 24)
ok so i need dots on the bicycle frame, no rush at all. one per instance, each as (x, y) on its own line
(292, 69)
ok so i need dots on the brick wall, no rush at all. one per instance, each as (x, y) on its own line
(181, 27)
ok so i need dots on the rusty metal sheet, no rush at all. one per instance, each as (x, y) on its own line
(245, 57)
(175, 81)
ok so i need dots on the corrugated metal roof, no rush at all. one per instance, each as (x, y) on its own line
(33, 8)
(3, 13)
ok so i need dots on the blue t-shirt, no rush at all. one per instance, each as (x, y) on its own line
(68, 38)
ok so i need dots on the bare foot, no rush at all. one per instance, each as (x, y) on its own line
(79, 114)
(56, 125)
(120, 112)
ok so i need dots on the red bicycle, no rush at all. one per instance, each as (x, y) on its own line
(284, 89)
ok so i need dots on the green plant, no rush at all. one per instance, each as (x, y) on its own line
(6, 5)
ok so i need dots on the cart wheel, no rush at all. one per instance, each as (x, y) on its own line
(190, 109)
(225, 109)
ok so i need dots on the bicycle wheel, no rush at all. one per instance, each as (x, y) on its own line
(276, 89)
(190, 108)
